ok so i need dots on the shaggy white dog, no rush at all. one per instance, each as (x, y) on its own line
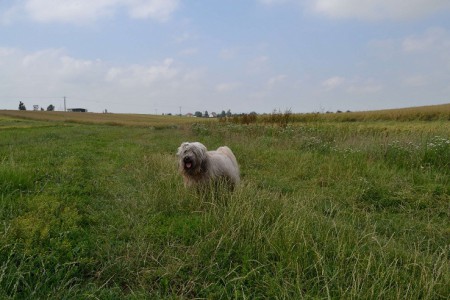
(199, 167)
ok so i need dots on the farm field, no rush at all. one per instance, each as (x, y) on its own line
(92, 206)
(134, 120)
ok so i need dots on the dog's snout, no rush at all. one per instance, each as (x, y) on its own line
(187, 159)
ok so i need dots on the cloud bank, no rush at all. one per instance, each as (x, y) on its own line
(87, 11)
(369, 10)
(379, 9)
(46, 74)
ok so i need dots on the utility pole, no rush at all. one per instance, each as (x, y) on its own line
(180, 111)
(65, 103)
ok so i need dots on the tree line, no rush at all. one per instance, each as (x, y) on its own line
(223, 114)
(22, 106)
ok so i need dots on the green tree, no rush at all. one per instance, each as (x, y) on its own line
(50, 107)
(198, 114)
(22, 106)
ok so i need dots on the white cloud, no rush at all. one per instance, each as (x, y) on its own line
(85, 11)
(185, 37)
(429, 49)
(415, 81)
(433, 39)
(68, 11)
(333, 82)
(70, 65)
(154, 9)
(371, 10)
(364, 87)
(9, 15)
(189, 52)
(57, 64)
(227, 87)
(142, 76)
(351, 85)
(4, 51)
(228, 53)
(273, 81)
(262, 59)
(94, 84)
(257, 64)
(273, 2)
(41, 58)
(379, 9)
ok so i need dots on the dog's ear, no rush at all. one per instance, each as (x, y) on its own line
(181, 148)
(204, 165)
(200, 150)
(200, 146)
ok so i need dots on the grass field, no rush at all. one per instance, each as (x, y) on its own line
(94, 208)
(134, 120)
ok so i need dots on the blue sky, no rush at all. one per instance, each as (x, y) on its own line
(155, 56)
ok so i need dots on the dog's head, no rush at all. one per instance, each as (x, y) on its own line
(191, 157)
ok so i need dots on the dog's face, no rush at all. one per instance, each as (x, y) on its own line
(191, 156)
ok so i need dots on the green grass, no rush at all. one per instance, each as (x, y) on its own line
(325, 210)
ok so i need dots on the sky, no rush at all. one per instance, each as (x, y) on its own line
(167, 56)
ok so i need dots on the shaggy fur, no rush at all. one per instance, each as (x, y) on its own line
(200, 167)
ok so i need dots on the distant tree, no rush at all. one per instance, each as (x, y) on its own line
(229, 113)
(223, 114)
(42, 109)
(206, 114)
(198, 114)
(22, 106)
(50, 107)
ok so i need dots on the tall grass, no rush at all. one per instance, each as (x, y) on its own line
(424, 113)
(325, 210)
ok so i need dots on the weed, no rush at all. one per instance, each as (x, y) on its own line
(437, 153)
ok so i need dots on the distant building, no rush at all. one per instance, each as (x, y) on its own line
(77, 110)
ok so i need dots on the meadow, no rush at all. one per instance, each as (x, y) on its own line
(327, 209)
